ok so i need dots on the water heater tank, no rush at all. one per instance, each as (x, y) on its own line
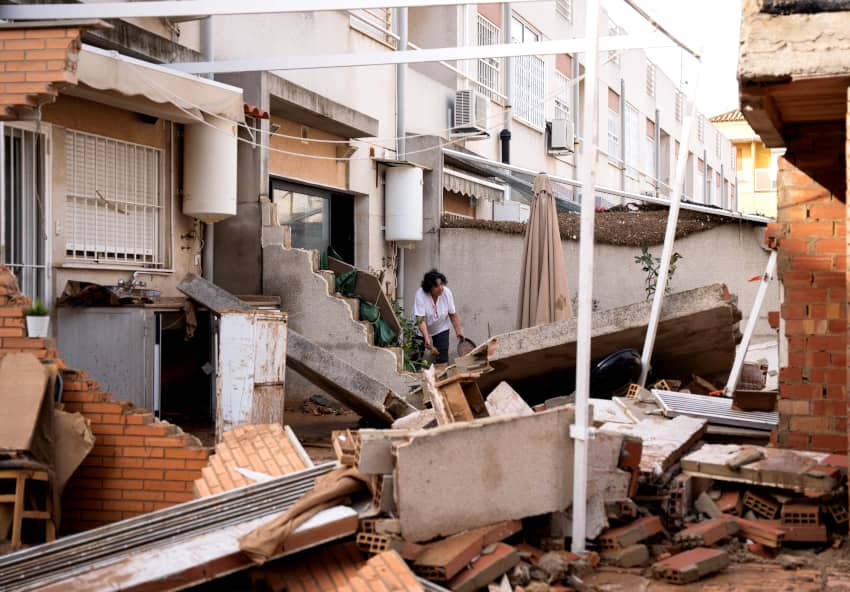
(403, 204)
(209, 170)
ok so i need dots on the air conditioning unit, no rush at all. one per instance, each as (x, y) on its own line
(470, 117)
(561, 136)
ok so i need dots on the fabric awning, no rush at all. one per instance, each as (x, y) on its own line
(470, 186)
(158, 90)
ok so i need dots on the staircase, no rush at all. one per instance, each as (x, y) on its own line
(307, 294)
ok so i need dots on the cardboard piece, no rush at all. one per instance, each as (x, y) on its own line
(23, 384)
(72, 442)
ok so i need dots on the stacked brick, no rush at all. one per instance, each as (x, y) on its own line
(138, 464)
(32, 62)
(810, 234)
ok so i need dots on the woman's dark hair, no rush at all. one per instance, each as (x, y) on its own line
(430, 280)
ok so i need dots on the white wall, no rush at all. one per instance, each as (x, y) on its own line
(483, 269)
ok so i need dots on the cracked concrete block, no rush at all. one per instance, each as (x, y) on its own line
(466, 475)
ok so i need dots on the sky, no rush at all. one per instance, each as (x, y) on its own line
(713, 25)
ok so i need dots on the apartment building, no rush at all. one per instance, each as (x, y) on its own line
(758, 165)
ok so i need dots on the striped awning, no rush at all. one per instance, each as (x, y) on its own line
(471, 186)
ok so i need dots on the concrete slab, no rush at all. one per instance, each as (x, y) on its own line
(462, 476)
(504, 400)
(697, 333)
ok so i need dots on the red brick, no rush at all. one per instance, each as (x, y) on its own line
(829, 408)
(806, 295)
(143, 495)
(801, 229)
(84, 397)
(801, 391)
(182, 475)
(141, 451)
(810, 423)
(122, 483)
(827, 343)
(164, 463)
(834, 442)
(794, 246)
(149, 430)
(810, 263)
(107, 429)
(165, 485)
(124, 505)
(834, 210)
(178, 497)
(23, 44)
(46, 54)
(143, 474)
(830, 246)
(188, 453)
(115, 408)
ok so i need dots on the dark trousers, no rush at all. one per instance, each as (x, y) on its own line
(441, 342)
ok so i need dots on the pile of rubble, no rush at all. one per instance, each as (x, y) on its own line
(472, 492)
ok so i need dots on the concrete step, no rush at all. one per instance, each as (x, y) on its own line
(354, 305)
(399, 356)
(330, 279)
(370, 332)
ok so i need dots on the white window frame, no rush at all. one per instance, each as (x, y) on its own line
(529, 78)
(565, 9)
(613, 137)
(489, 75)
(717, 143)
(34, 273)
(650, 78)
(561, 107)
(375, 23)
(764, 179)
(633, 143)
(98, 199)
(701, 128)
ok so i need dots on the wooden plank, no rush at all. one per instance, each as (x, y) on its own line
(456, 402)
(207, 293)
(23, 383)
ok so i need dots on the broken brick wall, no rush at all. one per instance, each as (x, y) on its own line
(810, 235)
(138, 463)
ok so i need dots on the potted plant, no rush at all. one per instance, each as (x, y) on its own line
(38, 319)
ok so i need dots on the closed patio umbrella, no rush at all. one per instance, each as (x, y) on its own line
(544, 294)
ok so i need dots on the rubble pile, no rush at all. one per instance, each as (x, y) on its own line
(476, 491)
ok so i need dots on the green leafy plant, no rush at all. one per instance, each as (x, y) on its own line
(407, 342)
(651, 266)
(37, 309)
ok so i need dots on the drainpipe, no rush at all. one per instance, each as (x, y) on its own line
(208, 53)
(623, 138)
(579, 133)
(505, 134)
(401, 144)
(657, 151)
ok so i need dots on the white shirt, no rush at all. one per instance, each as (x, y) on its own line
(436, 315)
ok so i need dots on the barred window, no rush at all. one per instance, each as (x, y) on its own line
(115, 210)
(489, 69)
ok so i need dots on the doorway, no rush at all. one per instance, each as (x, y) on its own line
(186, 369)
(319, 218)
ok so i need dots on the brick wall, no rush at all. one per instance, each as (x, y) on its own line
(32, 62)
(810, 235)
(138, 464)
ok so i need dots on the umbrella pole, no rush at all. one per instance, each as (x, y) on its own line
(580, 430)
(669, 238)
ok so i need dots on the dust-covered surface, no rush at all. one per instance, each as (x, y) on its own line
(613, 227)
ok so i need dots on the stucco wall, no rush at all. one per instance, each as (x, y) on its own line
(483, 269)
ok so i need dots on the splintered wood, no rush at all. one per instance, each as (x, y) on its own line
(248, 454)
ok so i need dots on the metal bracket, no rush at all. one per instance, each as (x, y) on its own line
(580, 432)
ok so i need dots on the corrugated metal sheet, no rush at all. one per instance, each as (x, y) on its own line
(716, 410)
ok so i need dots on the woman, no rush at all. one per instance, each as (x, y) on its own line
(434, 310)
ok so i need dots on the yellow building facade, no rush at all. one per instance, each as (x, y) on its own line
(756, 165)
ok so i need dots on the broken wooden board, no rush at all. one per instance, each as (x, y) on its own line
(664, 440)
(23, 385)
(252, 453)
(348, 385)
(210, 295)
(697, 332)
(788, 469)
(203, 557)
(462, 476)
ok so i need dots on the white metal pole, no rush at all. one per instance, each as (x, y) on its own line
(580, 430)
(669, 238)
(735, 375)
(401, 126)
(201, 8)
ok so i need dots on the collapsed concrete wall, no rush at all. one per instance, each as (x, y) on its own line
(483, 271)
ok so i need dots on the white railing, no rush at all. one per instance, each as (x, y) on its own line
(376, 23)
(490, 69)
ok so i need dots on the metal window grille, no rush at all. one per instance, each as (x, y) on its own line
(376, 23)
(25, 210)
(561, 108)
(650, 79)
(529, 81)
(701, 128)
(565, 9)
(679, 105)
(489, 69)
(613, 136)
(114, 203)
(717, 143)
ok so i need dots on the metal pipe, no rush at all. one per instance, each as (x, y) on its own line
(419, 56)
(661, 28)
(401, 124)
(505, 139)
(208, 253)
(735, 375)
(510, 91)
(201, 8)
(581, 430)
(667, 251)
